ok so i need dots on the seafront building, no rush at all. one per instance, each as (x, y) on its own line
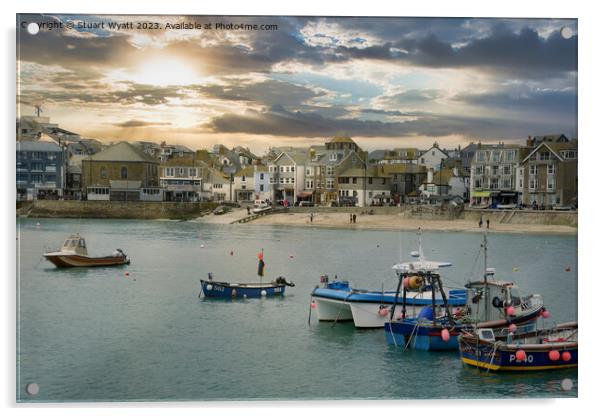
(550, 173)
(122, 172)
(184, 179)
(41, 170)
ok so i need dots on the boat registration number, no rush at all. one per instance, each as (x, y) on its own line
(218, 288)
(528, 359)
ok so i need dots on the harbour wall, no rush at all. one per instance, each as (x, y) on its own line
(113, 209)
(190, 210)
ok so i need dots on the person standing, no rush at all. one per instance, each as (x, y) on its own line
(350, 218)
(481, 222)
(354, 218)
(487, 223)
(311, 217)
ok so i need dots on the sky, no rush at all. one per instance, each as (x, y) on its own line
(298, 81)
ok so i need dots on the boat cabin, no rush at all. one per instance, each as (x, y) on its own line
(76, 245)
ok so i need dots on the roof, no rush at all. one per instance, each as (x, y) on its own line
(551, 138)
(184, 161)
(246, 171)
(341, 139)
(37, 146)
(370, 172)
(393, 168)
(536, 148)
(123, 152)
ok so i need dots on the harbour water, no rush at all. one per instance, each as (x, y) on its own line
(98, 335)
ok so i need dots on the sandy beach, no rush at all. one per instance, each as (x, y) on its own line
(388, 222)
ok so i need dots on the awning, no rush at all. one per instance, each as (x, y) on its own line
(508, 193)
(480, 194)
(304, 194)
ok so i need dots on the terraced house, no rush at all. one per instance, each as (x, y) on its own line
(40, 170)
(550, 173)
(326, 164)
(184, 179)
(493, 175)
(287, 175)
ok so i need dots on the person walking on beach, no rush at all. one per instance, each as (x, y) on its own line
(487, 223)
(248, 210)
(481, 222)
(354, 218)
(350, 218)
(311, 217)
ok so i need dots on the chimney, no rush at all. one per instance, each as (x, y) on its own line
(429, 176)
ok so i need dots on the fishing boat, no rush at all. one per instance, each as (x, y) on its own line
(493, 304)
(227, 290)
(74, 253)
(544, 349)
(338, 301)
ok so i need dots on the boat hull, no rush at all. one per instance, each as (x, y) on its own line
(74, 260)
(226, 290)
(502, 356)
(426, 336)
(363, 307)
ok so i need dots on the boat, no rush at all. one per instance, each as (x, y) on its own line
(544, 349)
(493, 304)
(74, 253)
(259, 208)
(227, 290)
(338, 301)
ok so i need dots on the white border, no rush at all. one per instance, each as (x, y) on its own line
(589, 173)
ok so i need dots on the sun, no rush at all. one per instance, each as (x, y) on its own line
(160, 72)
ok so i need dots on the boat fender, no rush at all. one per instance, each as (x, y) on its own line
(234, 293)
(209, 287)
(383, 310)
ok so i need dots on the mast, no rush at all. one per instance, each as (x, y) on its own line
(485, 276)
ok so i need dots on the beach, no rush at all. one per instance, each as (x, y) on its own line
(386, 222)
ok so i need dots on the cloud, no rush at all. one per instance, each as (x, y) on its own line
(140, 123)
(279, 122)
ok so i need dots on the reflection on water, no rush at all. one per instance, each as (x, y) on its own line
(97, 334)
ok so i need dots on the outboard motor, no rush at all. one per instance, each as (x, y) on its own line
(282, 281)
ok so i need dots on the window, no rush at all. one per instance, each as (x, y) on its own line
(532, 183)
(478, 183)
(506, 170)
(333, 156)
(370, 181)
(533, 170)
(520, 183)
(509, 155)
(287, 168)
(493, 183)
(192, 172)
(478, 170)
(480, 157)
(330, 183)
(384, 181)
(261, 177)
(354, 179)
(494, 170)
(244, 178)
(292, 180)
(282, 169)
(169, 171)
(282, 180)
(551, 184)
(261, 188)
(329, 170)
(124, 172)
(308, 171)
(495, 156)
(551, 169)
(103, 172)
(36, 178)
(287, 180)
(544, 155)
(37, 166)
(433, 153)
(506, 183)
(292, 168)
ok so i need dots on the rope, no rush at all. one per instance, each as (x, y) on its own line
(495, 345)
(411, 335)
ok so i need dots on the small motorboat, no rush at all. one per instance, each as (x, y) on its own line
(74, 253)
(544, 349)
(214, 289)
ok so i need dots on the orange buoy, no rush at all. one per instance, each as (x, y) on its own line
(566, 356)
(554, 355)
(521, 355)
(445, 335)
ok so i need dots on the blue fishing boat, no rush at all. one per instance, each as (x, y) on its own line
(544, 349)
(226, 290)
(338, 301)
(492, 304)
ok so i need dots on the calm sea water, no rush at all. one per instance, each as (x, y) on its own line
(97, 335)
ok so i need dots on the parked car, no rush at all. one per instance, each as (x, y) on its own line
(222, 209)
